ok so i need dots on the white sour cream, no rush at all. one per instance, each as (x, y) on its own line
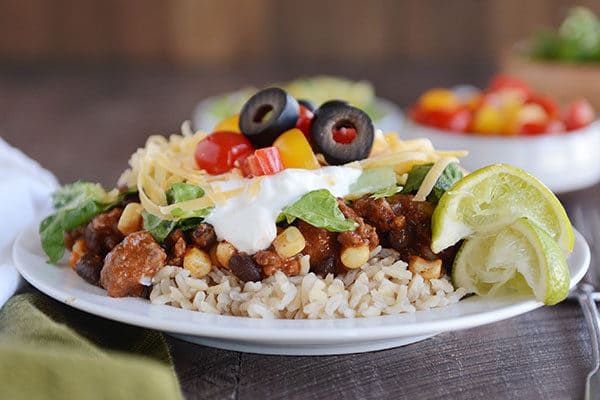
(247, 220)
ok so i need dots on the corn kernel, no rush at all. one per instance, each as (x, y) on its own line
(427, 269)
(355, 257)
(197, 262)
(131, 219)
(289, 242)
(223, 253)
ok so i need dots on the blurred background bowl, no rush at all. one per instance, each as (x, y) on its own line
(564, 162)
(562, 80)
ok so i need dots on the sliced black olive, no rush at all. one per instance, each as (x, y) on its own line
(267, 115)
(335, 101)
(308, 104)
(336, 115)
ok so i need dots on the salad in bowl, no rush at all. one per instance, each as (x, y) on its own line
(285, 213)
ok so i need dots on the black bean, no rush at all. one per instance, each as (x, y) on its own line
(89, 266)
(327, 266)
(245, 268)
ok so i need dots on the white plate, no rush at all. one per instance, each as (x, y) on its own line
(563, 162)
(391, 120)
(291, 337)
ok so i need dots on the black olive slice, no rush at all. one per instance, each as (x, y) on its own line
(336, 115)
(267, 115)
(308, 104)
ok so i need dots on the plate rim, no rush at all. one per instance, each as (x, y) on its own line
(284, 331)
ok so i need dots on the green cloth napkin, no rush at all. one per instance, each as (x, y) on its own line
(51, 351)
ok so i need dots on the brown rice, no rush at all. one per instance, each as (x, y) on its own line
(382, 286)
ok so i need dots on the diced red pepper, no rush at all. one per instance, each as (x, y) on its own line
(265, 161)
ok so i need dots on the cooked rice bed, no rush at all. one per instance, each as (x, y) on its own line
(382, 286)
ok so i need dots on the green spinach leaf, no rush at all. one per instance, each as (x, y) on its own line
(159, 228)
(319, 208)
(449, 176)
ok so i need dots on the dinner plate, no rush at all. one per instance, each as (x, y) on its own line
(290, 337)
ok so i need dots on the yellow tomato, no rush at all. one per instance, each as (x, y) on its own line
(231, 124)
(487, 120)
(295, 150)
(439, 99)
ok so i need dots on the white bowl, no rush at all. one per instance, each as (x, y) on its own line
(564, 162)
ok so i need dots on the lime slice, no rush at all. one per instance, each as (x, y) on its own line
(520, 257)
(493, 197)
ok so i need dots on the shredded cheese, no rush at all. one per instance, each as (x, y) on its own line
(431, 178)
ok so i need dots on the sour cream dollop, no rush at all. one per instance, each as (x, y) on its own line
(247, 220)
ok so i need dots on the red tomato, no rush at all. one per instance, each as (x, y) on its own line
(503, 82)
(265, 161)
(533, 128)
(457, 120)
(579, 114)
(344, 135)
(218, 152)
(547, 103)
(304, 119)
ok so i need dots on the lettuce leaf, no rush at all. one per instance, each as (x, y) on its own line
(75, 204)
(183, 192)
(386, 192)
(320, 209)
(184, 214)
(372, 180)
(159, 228)
(449, 176)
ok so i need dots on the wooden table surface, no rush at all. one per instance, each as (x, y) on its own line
(85, 125)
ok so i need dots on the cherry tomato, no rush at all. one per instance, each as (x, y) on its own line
(439, 99)
(487, 120)
(455, 120)
(218, 152)
(344, 135)
(506, 82)
(304, 118)
(264, 161)
(547, 103)
(533, 128)
(231, 124)
(580, 113)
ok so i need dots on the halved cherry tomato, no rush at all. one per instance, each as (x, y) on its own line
(547, 103)
(533, 128)
(218, 152)
(265, 161)
(344, 135)
(579, 114)
(455, 120)
(487, 120)
(506, 82)
(295, 151)
(439, 99)
(231, 124)
(304, 118)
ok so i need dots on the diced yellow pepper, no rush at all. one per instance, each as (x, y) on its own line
(295, 151)
(231, 124)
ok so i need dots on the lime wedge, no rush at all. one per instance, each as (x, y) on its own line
(494, 197)
(521, 257)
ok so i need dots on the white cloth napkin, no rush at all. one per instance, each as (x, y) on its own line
(25, 189)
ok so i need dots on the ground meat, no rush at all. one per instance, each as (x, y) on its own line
(88, 267)
(175, 247)
(137, 257)
(404, 225)
(270, 262)
(245, 268)
(102, 234)
(73, 235)
(364, 234)
(320, 243)
(203, 236)
(130, 198)
(378, 212)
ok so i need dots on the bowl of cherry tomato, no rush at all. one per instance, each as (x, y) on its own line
(509, 122)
